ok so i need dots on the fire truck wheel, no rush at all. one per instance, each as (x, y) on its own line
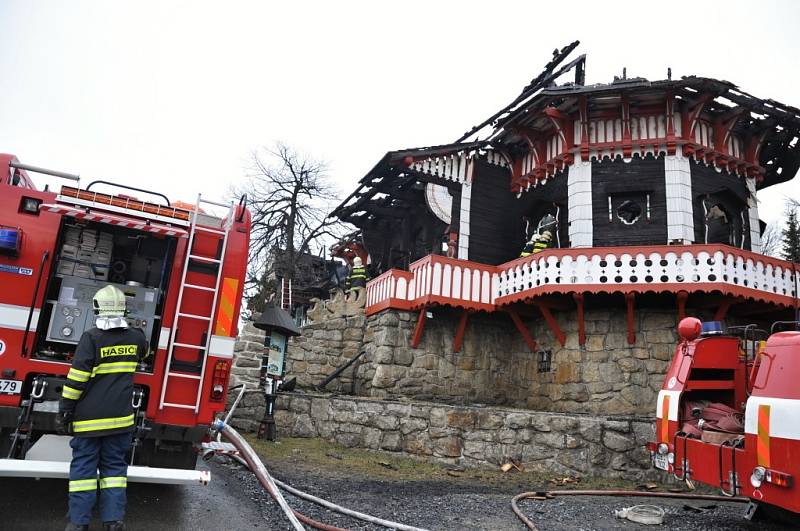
(777, 514)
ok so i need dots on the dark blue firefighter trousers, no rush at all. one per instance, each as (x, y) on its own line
(106, 455)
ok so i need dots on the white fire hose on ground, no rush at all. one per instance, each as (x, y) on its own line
(254, 463)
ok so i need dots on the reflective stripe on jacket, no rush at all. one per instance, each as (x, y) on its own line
(99, 384)
(357, 278)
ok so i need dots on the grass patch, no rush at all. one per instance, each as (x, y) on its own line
(333, 459)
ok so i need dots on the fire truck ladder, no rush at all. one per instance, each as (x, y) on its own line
(180, 315)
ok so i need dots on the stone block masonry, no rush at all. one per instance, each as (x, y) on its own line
(495, 366)
(552, 443)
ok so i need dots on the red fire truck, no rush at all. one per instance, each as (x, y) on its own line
(182, 271)
(728, 415)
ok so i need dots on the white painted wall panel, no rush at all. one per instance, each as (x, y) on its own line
(678, 181)
(579, 190)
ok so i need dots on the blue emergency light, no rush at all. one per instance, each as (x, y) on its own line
(711, 328)
(10, 240)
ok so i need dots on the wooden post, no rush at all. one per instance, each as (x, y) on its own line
(524, 331)
(419, 328)
(629, 300)
(581, 324)
(462, 326)
(552, 323)
(682, 296)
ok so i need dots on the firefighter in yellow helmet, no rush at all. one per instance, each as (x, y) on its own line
(537, 243)
(358, 275)
(96, 409)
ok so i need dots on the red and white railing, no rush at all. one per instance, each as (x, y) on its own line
(692, 268)
(656, 268)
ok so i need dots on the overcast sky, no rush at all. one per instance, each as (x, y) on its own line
(174, 95)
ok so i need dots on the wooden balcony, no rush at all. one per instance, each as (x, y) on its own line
(437, 280)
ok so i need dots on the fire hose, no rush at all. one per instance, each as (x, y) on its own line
(271, 485)
(632, 493)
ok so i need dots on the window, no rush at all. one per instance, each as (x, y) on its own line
(629, 212)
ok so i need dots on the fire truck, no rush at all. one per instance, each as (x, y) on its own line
(182, 271)
(728, 415)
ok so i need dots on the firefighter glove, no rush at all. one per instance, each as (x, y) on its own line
(64, 423)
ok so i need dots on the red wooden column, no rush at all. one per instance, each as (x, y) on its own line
(462, 326)
(524, 331)
(552, 323)
(419, 328)
(581, 322)
(722, 310)
(629, 300)
(682, 296)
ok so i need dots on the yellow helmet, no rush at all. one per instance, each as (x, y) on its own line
(109, 301)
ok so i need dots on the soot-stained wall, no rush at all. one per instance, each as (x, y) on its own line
(730, 193)
(495, 219)
(632, 181)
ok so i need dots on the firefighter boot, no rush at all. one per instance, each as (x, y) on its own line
(76, 527)
(119, 525)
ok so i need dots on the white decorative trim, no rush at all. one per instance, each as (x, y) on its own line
(752, 212)
(463, 228)
(579, 191)
(680, 212)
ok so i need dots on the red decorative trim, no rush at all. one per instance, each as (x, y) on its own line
(523, 331)
(671, 140)
(584, 117)
(460, 329)
(682, 296)
(419, 328)
(629, 300)
(581, 321)
(627, 147)
(552, 323)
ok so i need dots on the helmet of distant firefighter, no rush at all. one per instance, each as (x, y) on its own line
(357, 262)
(109, 301)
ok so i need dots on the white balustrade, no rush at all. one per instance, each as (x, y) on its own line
(440, 280)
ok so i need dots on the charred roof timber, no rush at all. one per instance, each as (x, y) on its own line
(473, 192)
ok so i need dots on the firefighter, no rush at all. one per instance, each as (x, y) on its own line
(96, 409)
(358, 275)
(537, 243)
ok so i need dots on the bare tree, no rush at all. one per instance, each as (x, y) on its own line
(290, 195)
(771, 240)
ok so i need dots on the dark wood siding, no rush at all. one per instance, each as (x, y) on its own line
(629, 181)
(724, 189)
(496, 226)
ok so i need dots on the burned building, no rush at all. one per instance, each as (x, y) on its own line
(648, 193)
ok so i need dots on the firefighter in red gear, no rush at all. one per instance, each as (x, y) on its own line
(96, 409)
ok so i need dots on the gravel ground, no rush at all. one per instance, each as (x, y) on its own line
(464, 503)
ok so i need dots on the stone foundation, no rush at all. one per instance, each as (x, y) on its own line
(561, 444)
(495, 366)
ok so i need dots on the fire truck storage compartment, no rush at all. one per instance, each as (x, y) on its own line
(90, 255)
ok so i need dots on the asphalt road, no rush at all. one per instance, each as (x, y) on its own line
(28, 504)
(234, 501)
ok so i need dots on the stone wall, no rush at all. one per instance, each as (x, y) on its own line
(564, 444)
(495, 366)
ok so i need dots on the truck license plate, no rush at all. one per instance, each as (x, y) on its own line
(660, 461)
(10, 387)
